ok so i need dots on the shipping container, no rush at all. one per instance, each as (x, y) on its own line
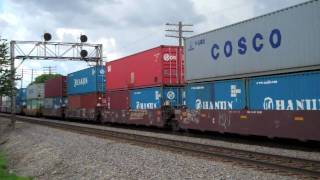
(158, 66)
(34, 107)
(117, 100)
(6, 104)
(299, 91)
(56, 87)
(21, 97)
(91, 100)
(283, 41)
(85, 81)
(55, 102)
(35, 91)
(222, 95)
(155, 97)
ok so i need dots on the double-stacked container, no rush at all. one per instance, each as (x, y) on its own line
(55, 100)
(142, 85)
(257, 77)
(85, 90)
(35, 99)
(21, 100)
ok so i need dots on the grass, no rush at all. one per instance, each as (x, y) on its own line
(4, 174)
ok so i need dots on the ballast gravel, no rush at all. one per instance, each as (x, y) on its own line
(47, 153)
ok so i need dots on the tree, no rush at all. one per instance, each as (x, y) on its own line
(44, 77)
(5, 82)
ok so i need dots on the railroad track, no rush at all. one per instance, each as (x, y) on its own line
(289, 166)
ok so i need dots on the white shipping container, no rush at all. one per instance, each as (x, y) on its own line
(35, 91)
(284, 41)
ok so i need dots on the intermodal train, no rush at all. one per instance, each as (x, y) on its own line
(257, 77)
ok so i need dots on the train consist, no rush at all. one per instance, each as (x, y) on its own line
(257, 77)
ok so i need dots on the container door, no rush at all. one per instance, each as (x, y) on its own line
(171, 66)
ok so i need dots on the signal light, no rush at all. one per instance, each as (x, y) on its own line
(83, 38)
(47, 36)
(83, 53)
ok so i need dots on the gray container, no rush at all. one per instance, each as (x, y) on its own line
(284, 41)
(35, 91)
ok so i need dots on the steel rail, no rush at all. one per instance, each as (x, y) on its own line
(275, 163)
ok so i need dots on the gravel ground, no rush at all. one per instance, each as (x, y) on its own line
(263, 149)
(47, 153)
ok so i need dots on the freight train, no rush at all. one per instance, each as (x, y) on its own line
(257, 77)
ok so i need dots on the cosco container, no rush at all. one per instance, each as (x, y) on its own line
(300, 91)
(155, 97)
(154, 67)
(88, 80)
(56, 87)
(35, 91)
(117, 100)
(223, 95)
(55, 102)
(91, 100)
(280, 42)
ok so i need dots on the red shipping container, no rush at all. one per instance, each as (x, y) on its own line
(160, 66)
(56, 87)
(87, 101)
(117, 100)
(74, 101)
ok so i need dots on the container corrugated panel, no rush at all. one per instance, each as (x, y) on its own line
(90, 100)
(21, 96)
(117, 100)
(299, 91)
(158, 66)
(86, 81)
(56, 87)
(223, 95)
(34, 104)
(55, 103)
(284, 41)
(155, 97)
(229, 94)
(35, 91)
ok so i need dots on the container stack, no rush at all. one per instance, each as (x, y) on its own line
(21, 101)
(35, 99)
(140, 85)
(55, 97)
(5, 104)
(86, 89)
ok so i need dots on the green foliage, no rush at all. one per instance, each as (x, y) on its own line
(44, 77)
(5, 82)
(4, 174)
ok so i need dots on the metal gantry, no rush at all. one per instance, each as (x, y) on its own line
(45, 50)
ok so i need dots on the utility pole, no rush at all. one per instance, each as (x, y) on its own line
(49, 68)
(179, 30)
(179, 34)
(21, 77)
(31, 75)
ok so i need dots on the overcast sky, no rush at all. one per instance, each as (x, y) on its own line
(123, 27)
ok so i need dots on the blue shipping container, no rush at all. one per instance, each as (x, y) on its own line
(88, 80)
(300, 91)
(223, 95)
(155, 97)
(21, 97)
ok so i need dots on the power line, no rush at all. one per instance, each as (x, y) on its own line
(178, 31)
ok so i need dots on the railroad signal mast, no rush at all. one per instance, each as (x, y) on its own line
(46, 50)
